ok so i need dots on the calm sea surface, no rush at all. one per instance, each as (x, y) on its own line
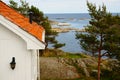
(76, 21)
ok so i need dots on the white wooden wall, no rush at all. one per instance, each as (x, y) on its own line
(11, 45)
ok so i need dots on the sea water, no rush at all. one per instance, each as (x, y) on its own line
(78, 21)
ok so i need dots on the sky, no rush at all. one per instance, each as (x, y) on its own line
(71, 6)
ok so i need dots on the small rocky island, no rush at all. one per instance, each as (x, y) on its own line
(64, 27)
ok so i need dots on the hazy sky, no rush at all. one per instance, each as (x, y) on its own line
(71, 6)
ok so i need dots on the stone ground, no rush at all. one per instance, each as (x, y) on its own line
(54, 69)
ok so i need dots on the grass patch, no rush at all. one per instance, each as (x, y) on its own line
(60, 53)
(71, 55)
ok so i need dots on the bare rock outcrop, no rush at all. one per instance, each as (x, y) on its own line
(60, 68)
(53, 68)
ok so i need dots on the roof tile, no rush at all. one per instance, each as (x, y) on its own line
(21, 21)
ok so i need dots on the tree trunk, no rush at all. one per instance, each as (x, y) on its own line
(99, 61)
(99, 55)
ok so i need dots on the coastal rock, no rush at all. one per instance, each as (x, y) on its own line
(52, 68)
(53, 22)
(58, 68)
(62, 30)
(64, 68)
(63, 24)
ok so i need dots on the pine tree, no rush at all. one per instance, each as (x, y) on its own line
(102, 34)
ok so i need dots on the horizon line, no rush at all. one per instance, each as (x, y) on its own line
(76, 13)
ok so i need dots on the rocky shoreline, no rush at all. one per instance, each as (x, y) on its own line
(62, 27)
(63, 30)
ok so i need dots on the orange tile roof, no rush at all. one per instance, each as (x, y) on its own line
(21, 21)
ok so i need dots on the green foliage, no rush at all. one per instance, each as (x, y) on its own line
(23, 7)
(60, 53)
(13, 4)
(110, 75)
(51, 39)
(38, 15)
(102, 33)
(88, 42)
(58, 45)
(71, 55)
(112, 44)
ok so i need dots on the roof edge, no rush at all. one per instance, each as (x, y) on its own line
(32, 42)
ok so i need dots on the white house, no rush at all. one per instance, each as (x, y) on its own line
(20, 42)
